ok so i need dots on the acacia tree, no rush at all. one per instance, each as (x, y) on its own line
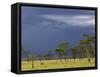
(74, 52)
(49, 55)
(61, 50)
(89, 44)
(82, 52)
(59, 53)
(32, 57)
(91, 40)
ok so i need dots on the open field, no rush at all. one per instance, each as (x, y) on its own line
(55, 64)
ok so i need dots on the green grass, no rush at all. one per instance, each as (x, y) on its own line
(56, 64)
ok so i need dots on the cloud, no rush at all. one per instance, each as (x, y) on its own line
(45, 23)
(72, 20)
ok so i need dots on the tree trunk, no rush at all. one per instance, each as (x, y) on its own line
(88, 54)
(65, 58)
(32, 64)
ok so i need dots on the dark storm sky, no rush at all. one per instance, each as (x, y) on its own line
(44, 29)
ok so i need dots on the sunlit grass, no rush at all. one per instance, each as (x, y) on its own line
(56, 64)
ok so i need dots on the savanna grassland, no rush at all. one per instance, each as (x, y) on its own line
(82, 55)
(56, 64)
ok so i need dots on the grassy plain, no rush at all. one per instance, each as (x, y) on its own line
(56, 64)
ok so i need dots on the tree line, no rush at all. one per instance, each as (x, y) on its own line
(85, 48)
